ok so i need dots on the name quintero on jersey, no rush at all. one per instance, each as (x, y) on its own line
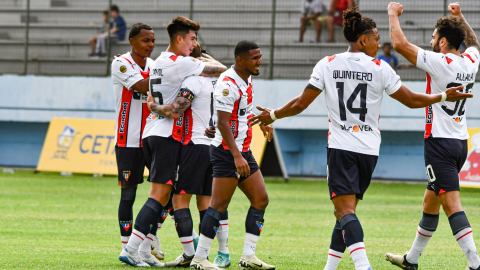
(354, 75)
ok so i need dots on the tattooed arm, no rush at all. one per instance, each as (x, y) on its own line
(399, 41)
(470, 37)
(213, 68)
(171, 110)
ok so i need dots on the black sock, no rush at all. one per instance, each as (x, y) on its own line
(337, 243)
(352, 228)
(183, 222)
(210, 223)
(254, 221)
(125, 210)
(458, 221)
(148, 216)
(202, 215)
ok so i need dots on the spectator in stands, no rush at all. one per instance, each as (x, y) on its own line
(118, 29)
(390, 58)
(311, 14)
(337, 7)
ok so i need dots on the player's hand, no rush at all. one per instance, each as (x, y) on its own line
(395, 9)
(242, 166)
(267, 132)
(453, 95)
(454, 9)
(150, 101)
(210, 132)
(263, 118)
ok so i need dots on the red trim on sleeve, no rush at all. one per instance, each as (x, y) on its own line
(469, 57)
(428, 110)
(377, 61)
(174, 58)
(448, 60)
(228, 79)
(330, 58)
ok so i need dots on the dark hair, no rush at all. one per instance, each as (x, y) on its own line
(386, 44)
(355, 25)
(105, 12)
(451, 28)
(198, 51)
(181, 26)
(137, 28)
(115, 8)
(244, 47)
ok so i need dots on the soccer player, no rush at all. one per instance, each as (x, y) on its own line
(160, 148)
(130, 85)
(446, 134)
(354, 83)
(194, 106)
(232, 160)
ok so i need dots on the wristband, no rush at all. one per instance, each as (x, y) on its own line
(444, 97)
(272, 115)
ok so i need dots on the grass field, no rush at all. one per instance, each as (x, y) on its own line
(61, 222)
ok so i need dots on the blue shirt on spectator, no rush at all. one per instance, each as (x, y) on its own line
(392, 61)
(119, 23)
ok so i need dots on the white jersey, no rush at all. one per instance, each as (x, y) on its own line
(199, 116)
(354, 85)
(232, 94)
(447, 119)
(130, 105)
(166, 77)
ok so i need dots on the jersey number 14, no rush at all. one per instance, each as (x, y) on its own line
(360, 89)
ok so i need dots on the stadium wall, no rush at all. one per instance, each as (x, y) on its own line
(26, 111)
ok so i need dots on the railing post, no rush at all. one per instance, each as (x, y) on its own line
(272, 40)
(27, 26)
(190, 16)
(107, 61)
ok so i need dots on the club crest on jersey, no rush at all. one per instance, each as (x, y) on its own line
(64, 141)
(126, 175)
(260, 226)
(225, 92)
(126, 225)
(123, 69)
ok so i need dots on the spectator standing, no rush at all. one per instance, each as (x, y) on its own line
(390, 58)
(311, 11)
(337, 7)
(118, 28)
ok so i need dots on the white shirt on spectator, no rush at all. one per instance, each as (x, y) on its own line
(312, 7)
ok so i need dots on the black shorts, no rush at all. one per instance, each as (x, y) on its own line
(162, 156)
(349, 172)
(444, 159)
(195, 171)
(130, 165)
(224, 164)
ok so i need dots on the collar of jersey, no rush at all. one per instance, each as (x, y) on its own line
(233, 74)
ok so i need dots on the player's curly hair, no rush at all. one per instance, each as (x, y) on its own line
(197, 51)
(181, 26)
(355, 24)
(137, 28)
(452, 29)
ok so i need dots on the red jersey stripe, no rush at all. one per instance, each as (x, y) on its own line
(188, 126)
(123, 116)
(248, 139)
(428, 110)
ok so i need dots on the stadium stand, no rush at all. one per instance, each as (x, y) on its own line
(60, 29)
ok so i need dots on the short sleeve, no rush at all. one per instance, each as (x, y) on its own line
(225, 96)
(303, 10)
(318, 7)
(316, 79)
(193, 84)
(391, 80)
(474, 55)
(189, 66)
(124, 73)
(430, 62)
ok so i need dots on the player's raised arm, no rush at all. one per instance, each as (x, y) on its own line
(399, 41)
(470, 37)
(212, 68)
(418, 100)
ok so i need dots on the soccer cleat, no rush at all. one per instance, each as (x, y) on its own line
(469, 268)
(222, 260)
(202, 263)
(252, 262)
(400, 261)
(152, 261)
(182, 261)
(132, 259)
(195, 242)
(156, 251)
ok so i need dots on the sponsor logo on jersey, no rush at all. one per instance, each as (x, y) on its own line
(260, 226)
(429, 115)
(126, 225)
(356, 129)
(64, 141)
(124, 116)
(126, 175)
(225, 92)
(458, 119)
(123, 69)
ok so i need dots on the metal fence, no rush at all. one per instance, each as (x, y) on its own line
(51, 37)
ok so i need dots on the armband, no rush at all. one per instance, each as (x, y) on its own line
(185, 93)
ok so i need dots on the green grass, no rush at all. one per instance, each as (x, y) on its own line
(60, 222)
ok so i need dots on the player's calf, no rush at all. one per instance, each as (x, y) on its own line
(354, 241)
(125, 213)
(463, 234)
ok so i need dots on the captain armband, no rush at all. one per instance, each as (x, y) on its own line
(185, 93)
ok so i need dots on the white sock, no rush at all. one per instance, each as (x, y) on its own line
(334, 258)
(146, 246)
(124, 241)
(222, 237)
(419, 244)
(134, 242)
(159, 226)
(187, 243)
(194, 234)
(250, 245)
(465, 241)
(359, 256)
(203, 248)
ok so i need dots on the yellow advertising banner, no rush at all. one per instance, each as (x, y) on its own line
(88, 146)
(470, 173)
